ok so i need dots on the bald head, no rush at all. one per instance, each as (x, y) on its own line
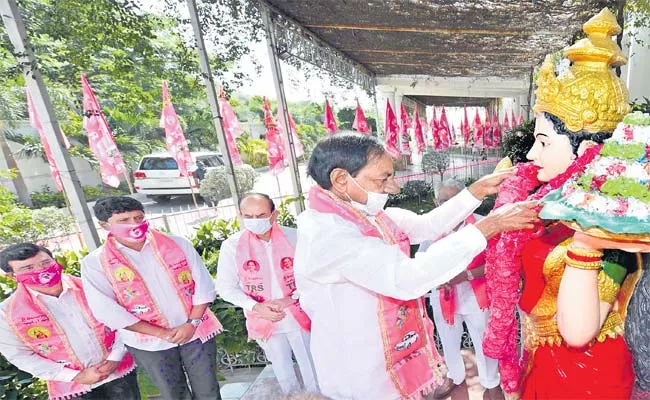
(256, 205)
(449, 189)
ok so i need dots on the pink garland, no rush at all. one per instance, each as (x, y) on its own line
(503, 266)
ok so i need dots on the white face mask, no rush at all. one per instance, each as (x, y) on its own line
(258, 226)
(375, 202)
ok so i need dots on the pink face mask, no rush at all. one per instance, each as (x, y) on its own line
(135, 233)
(47, 277)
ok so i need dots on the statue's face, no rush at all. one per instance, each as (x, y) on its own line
(551, 152)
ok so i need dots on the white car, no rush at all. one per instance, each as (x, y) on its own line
(159, 178)
(407, 341)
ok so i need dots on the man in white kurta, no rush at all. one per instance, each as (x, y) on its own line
(177, 361)
(465, 309)
(340, 272)
(288, 337)
(65, 307)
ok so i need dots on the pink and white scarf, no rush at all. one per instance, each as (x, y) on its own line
(412, 360)
(34, 325)
(133, 294)
(255, 277)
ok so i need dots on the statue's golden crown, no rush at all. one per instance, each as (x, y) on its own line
(588, 96)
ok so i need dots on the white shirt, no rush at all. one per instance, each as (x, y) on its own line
(103, 302)
(339, 273)
(465, 300)
(69, 315)
(229, 286)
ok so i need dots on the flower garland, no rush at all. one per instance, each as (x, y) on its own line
(503, 265)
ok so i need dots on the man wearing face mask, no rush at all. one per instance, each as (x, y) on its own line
(255, 272)
(371, 338)
(155, 288)
(48, 330)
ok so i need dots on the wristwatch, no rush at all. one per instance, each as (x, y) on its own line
(195, 322)
(470, 276)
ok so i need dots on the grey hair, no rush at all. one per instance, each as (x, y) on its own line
(453, 184)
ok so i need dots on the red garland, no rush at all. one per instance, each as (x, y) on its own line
(503, 266)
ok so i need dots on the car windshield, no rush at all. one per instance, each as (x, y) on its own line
(210, 161)
(164, 163)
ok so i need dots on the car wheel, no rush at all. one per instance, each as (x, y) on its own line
(161, 198)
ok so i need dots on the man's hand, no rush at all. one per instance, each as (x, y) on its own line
(510, 217)
(90, 376)
(269, 310)
(107, 366)
(489, 184)
(182, 334)
(283, 303)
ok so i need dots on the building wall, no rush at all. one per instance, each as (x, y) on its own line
(635, 73)
(36, 171)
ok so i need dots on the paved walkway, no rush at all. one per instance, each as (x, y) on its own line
(264, 386)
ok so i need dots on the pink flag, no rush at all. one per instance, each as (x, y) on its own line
(36, 124)
(419, 136)
(465, 128)
(297, 144)
(513, 119)
(330, 121)
(521, 119)
(478, 131)
(425, 129)
(496, 130)
(506, 123)
(100, 138)
(274, 143)
(405, 125)
(391, 130)
(174, 138)
(488, 129)
(443, 128)
(230, 126)
(360, 123)
(434, 120)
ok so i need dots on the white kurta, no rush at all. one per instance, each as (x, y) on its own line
(229, 287)
(69, 315)
(288, 338)
(467, 310)
(339, 273)
(103, 302)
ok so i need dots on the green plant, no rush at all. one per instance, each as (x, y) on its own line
(285, 217)
(210, 234)
(215, 185)
(519, 142)
(435, 162)
(643, 107)
(252, 151)
(416, 195)
(48, 198)
(70, 260)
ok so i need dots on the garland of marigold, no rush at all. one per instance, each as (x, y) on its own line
(503, 265)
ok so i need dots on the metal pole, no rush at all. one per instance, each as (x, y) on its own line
(282, 107)
(208, 81)
(18, 36)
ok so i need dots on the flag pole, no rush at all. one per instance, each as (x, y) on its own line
(277, 180)
(189, 180)
(17, 33)
(128, 182)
